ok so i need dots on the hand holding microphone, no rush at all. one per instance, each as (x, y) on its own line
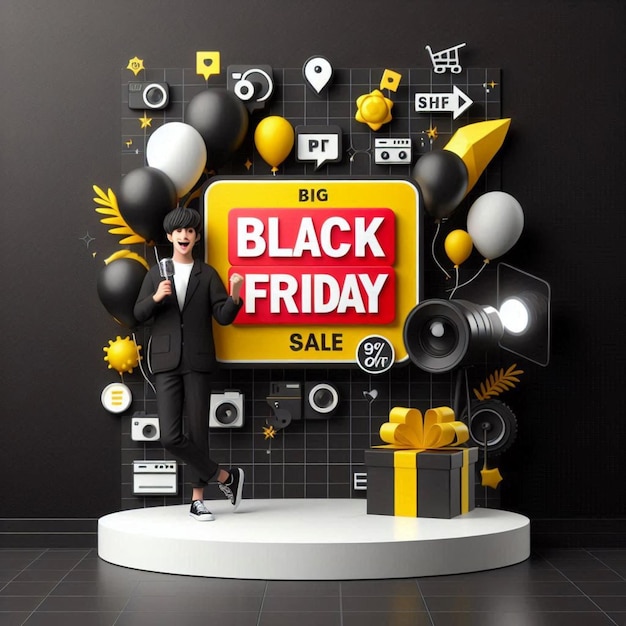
(166, 270)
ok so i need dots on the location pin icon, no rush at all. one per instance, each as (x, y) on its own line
(317, 72)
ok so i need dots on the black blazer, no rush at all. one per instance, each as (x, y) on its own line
(206, 298)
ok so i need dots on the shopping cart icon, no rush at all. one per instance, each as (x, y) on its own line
(446, 59)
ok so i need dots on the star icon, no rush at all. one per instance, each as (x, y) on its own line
(87, 238)
(269, 432)
(135, 65)
(489, 86)
(490, 477)
(145, 121)
(373, 109)
(432, 133)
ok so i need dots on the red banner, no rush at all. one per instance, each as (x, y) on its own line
(322, 237)
(328, 295)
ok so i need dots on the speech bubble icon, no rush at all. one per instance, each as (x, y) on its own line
(207, 64)
(319, 144)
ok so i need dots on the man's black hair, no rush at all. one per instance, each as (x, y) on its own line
(182, 217)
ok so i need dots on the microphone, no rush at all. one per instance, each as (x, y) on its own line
(166, 268)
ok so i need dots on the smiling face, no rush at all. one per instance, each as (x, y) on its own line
(183, 241)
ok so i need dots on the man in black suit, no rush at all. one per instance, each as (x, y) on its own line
(181, 353)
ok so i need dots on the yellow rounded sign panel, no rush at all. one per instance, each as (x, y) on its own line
(326, 264)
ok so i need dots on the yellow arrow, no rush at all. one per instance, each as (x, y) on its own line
(477, 144)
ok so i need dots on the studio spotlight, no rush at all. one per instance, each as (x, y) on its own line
(524, 306)
(515, 314)
(440, 335)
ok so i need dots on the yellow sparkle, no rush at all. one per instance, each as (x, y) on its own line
(269, 432)
(248, 164)
(135, 65)
(432, 133)
(145, 121)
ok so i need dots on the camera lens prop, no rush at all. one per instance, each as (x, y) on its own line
(440, 335)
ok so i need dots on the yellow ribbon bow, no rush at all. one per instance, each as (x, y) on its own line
(407, 428)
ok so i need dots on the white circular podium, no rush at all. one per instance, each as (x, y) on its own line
(310, 539)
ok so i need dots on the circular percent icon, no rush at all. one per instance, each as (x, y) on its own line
(375, 354)
(317, 72)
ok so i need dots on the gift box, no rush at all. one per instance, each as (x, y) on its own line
(422, 471)
(420, 483)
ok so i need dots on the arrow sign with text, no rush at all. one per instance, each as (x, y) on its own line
(456, 102)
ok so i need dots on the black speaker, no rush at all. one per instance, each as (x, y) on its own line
(321, 400)
(440, 335)
(491, 422)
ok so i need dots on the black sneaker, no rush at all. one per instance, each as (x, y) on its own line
(233, 489)
(199, 512)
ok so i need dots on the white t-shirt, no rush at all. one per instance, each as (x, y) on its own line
(181, 280)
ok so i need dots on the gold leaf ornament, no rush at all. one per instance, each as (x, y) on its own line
(107, 205)
(498, 382)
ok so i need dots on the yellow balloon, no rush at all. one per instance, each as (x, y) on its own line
(274, 138)
(458, 245)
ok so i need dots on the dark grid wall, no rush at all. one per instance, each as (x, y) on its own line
(311, 458)
(295, 101)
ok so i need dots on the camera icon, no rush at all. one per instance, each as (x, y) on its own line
(253, 85)
(145, 428)
(143, 95)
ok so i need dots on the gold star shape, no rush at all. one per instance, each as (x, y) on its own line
(145, 121)
(135, 65)
(373, 109)
(248, 164)
(490, 477)
(269, 432)
(432, 133)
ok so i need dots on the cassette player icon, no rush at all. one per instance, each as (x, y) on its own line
(388, 151)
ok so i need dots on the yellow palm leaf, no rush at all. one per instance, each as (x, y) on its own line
(108, 200)
(498, 382)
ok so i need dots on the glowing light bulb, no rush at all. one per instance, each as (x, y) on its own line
(515, 316)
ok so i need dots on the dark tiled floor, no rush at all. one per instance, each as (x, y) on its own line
(76, 588)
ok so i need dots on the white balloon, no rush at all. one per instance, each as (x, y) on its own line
(495, 222)
(178, 150)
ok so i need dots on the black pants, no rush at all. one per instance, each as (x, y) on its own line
(184, 392)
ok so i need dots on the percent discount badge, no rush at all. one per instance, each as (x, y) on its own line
(375, 354)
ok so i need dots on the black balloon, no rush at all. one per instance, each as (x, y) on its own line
(442, 178)
(222, 120)
(119, 283)
(145, 196)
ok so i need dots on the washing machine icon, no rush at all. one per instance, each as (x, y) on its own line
(226, 409)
